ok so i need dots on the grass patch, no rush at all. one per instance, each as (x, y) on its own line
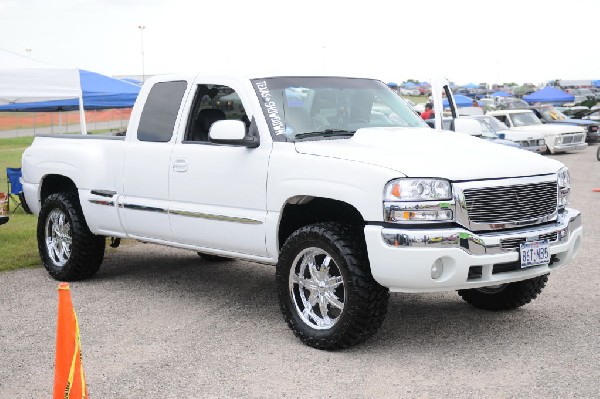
(15, 143)
(18, 244)
(417, 99)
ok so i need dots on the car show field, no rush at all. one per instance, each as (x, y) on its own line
(159, 322)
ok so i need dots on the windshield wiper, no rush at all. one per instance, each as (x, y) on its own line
(326, 133)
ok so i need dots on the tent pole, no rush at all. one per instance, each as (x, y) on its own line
(82, 116)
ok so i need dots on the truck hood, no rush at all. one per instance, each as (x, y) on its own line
(417, 152)
(519, 135)
(549, 129)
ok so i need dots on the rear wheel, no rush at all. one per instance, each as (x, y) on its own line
(326, 291)
(68, 249)
(598, 153)
(505, 296)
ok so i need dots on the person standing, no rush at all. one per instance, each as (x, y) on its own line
(428, 113)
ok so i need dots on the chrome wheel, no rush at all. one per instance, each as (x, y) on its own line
(316, 287)
(58, 237)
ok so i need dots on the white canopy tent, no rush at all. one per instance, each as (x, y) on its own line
(23, 80)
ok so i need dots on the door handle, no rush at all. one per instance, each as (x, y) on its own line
(180, 165)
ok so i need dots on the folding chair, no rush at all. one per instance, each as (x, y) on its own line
(15, 188)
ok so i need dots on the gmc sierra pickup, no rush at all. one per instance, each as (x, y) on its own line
(334, 180)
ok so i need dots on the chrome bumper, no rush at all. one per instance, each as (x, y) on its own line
(485, 243)
(569, 147)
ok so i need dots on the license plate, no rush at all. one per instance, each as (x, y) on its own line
(535, 253)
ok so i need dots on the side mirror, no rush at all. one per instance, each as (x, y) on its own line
(231, 132)
(468, 126)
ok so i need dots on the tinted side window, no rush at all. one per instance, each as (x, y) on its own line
(160, 111)
(213, 103)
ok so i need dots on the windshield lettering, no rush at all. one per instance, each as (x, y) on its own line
(271, 108)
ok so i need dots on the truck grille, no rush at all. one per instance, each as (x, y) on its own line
(573, 138)
(568, 139)
(507, 204)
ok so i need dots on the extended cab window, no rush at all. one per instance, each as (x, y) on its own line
(160, 111)
(213, 103)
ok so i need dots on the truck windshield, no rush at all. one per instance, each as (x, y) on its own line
(485, 130)
(300, 107)
(494, 123)
(524, 119)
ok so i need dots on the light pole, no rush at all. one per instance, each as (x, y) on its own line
(141, 28)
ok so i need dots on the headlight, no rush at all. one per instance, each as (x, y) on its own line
(564, 187)
(417, 190)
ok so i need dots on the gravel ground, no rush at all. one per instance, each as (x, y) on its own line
(163, 323)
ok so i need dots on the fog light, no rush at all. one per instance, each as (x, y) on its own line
(437, 269)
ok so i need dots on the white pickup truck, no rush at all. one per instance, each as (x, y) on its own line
(333, 180)
(558, 138)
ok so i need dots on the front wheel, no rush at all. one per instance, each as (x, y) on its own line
(505, 296)
(598, 153)
(68, 249)
(326, 291)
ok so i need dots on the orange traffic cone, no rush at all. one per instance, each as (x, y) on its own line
(69, 378)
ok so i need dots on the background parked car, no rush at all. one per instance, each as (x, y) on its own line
(548, 114)
(558, 138)
(511, 103)
(409, 91)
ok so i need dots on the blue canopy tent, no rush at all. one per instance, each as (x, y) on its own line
(408, 84)
(596, 83)
(501, 94)
(99, 92)
(549, 94)
(392, 84)
(460, 100)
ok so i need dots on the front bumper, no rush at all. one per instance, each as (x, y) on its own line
(569, 147)
(538, 149)
(401, 259)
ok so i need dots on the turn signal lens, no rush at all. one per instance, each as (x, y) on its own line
(421, 215)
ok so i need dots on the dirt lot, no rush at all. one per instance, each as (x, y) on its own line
(162, 323)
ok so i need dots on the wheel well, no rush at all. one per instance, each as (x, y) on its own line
(53, 184)
(303, 211)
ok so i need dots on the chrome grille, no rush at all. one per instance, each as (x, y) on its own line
(515, 243)
(505, 204)
(571, 138)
